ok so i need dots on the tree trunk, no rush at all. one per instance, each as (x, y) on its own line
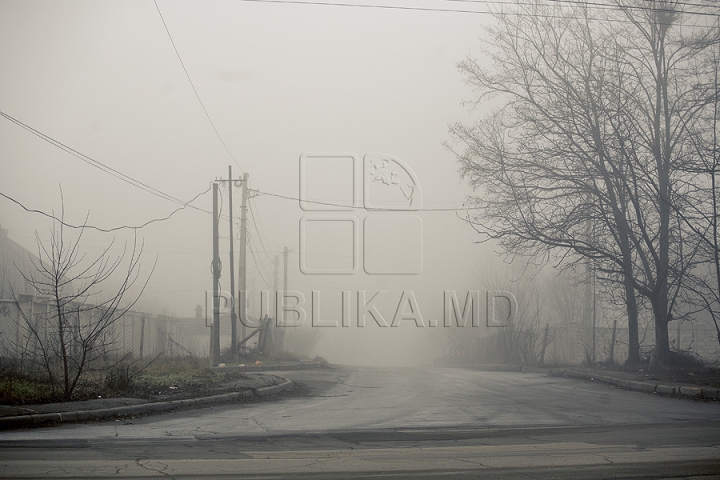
(661, 353)
(632, 312)
(611, 355)
(544, 345)
(63, 347)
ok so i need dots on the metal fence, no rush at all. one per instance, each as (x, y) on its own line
(138, 333)
(572, 342)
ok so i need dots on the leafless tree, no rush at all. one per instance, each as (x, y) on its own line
(74, 333)
(523, 339)
(701, 205)
(582, 155)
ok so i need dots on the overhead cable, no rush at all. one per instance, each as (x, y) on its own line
(107, 230)
(197, 95)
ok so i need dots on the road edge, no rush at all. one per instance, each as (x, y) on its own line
(679, 390)
(21, 421)
(689, 391)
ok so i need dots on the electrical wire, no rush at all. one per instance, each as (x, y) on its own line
(352, 207)
(259, 233)
(258, 224)
(452, 10)
(388, 7)
(197, 95)
(260, 269)
(99, 165)
(254, 250)
(106, 230)
(606, 6)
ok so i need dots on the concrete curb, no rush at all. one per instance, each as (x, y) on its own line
(499, 367)
(269, 367)
(495, 368)
(19, 421)
(708, 393)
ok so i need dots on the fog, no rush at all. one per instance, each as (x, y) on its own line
(278, 81)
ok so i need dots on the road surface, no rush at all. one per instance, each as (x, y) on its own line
(363, 422)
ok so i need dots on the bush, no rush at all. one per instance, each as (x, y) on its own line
(120, 377)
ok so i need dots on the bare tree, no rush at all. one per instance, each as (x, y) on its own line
(73, 334)
(582, 158)
(701, 205)
(522, 341)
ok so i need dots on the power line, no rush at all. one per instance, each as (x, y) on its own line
(104, 168)
(258, 232)
(262, 245)
(99, 165)
(193, 87)
(107, 230)
(352, 207)
(606, 6)
(358, 5)
(255, 260)
(454, 10)
(92, 162)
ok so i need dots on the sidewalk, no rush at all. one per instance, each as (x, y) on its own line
(255, 385)
(615, 378)
(618, 379)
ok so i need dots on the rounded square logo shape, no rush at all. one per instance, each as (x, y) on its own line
(392, 245)
(329, 181)
(329, 245)
(389, 184)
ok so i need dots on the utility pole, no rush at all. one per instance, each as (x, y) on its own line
(243, 256)
(233, 315)
(234, 351)
(281, 339)
(216, 267)
(275, 286)
(285, 266)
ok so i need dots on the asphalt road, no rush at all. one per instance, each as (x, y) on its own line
(393, 423)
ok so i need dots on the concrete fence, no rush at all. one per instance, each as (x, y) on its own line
(141, 334)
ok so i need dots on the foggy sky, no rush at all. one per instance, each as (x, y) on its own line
(278, 80)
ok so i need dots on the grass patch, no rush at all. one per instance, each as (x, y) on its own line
(16, 389)
(129, 377)
(140, 378)
(163, 374)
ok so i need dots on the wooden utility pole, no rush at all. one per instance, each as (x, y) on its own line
(276, 335)
(233, 315)
(275, 285)
(243, 257)
(234, 347)
(216, 267)
(281, 314)
(285, 267)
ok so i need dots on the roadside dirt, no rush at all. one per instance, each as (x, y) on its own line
(200, 388)
(704, 377)
(192, 389)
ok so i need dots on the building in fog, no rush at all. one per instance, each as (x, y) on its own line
(16, 263)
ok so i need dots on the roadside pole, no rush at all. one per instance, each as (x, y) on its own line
(281, 314)
(233, 315)
(243, 258)
(216, 266)
(278, 333)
